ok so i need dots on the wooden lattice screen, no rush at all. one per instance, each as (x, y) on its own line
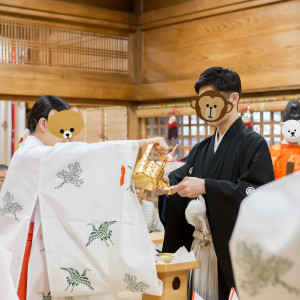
(61, 47)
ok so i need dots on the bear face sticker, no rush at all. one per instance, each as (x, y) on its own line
(65, 124)
(211, 106)
(291, 131)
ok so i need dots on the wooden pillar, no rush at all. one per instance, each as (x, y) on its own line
(133, 124)
(135, 56)
(143, 128)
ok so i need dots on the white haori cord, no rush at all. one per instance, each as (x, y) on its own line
(204, 280)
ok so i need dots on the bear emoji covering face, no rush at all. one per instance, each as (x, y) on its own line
(66, 123)
(291, 131)
(286, 154)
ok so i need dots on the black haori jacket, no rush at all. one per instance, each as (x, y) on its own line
(241, 163)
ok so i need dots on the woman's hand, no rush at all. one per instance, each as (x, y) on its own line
(160, 146)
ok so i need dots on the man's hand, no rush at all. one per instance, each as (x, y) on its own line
(160, 191)
(190, 187)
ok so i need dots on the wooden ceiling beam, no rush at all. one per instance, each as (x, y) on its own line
(71, 13)
(197, 9)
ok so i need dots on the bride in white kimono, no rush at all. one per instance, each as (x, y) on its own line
(89, 237)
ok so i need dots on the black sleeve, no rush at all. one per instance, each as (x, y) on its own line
(172, 211)
(177, 230)
(224, 197)
(176, 176)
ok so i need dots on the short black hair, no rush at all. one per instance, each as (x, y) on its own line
(42, 107)
(292, 111)
(221, 79)
(3, 167)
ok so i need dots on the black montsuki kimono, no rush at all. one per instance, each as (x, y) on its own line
(241, 163)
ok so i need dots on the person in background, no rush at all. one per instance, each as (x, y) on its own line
(287, 150)
(3, 171)
(150, 215)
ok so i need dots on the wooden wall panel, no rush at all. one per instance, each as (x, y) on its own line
(81, 86)
(189, 10)
(116, 122)
(103, 124)
(122, 5)
(157, 4)
(71, 13)
(262, 44)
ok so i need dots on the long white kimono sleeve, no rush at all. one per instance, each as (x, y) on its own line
(17, 201)
(7, 290)
(89, 228)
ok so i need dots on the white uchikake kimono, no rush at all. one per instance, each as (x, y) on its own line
(265, 243)
(90, 238)
(7, 289)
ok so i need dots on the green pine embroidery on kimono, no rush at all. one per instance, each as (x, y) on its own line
(48, 297)
(75, 278)
(261, 272)
(133, 285)
(72, 176)
(131, 188)
(69, 298)
(10, 207)
(102, 233)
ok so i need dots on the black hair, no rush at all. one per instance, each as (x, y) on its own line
(3, 167)
(292, 111)
(42, 107)
(221, 79)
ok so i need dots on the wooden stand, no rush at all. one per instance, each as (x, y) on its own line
(174, 278)
(157, 237)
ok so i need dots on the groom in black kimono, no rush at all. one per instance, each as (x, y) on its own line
(224, 168)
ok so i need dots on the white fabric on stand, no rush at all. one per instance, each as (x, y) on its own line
(265, 244)
(79, 188)
(20, 117)
(5, 132)
(203, 280)
(196, 296)
(6, 127)
(7, 290)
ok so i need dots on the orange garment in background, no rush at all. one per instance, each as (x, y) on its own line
(22, 289)
(283, 153)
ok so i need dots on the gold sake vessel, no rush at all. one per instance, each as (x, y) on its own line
(164, 258)
(149, 174)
